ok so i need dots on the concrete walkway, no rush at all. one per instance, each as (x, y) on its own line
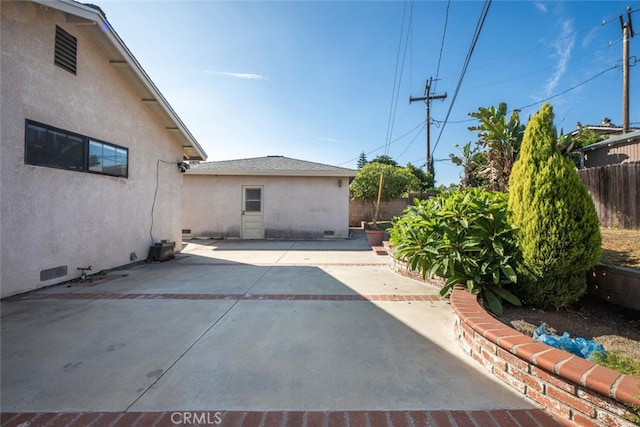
(246, 333)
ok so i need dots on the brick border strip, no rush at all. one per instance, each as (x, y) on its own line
(234, 297)
(575, 390)
(489, 418)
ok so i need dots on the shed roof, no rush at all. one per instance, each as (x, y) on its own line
(271, 166)
(93, 20)
(614, 140)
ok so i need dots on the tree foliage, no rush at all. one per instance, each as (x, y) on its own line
(557, 227)
(385, 160)
(501, 138)
(473, 162)
(396, 182)
(569, 143)
(426, 179)
(362, 160)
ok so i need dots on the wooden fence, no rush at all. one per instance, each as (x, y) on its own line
(615, 190)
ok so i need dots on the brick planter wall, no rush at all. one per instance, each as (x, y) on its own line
(574, 390)
(401, 268)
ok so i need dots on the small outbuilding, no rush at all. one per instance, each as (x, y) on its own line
(624, 148)
(271, 197)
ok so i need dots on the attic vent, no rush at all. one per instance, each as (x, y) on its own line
(66, 49)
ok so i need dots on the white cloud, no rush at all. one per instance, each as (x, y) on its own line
(243, 76)
(329, 140)
(540, 6)
(563, 46)
(590, 36)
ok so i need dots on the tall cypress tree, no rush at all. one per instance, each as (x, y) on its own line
(558, 228)
(362, 160)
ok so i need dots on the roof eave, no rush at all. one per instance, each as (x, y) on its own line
(617, 140)
(127, 63)
(298, 173)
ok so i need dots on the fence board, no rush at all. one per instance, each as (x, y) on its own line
(615, 190)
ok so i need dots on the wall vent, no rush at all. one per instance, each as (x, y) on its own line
(329, 233)
(186, 231)
(66, 50)
(53, 273)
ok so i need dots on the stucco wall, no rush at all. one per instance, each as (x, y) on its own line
(294, 207)
(53, 217)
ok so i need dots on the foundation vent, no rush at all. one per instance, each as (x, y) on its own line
(53, 273)
(329, 233)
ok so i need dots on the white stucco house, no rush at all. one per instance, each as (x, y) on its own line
(271, 197)
(89, 151)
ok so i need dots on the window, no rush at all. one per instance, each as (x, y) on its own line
(57, 148)
(252, 199)
(46, 146)
(107, 159)
(65, 50)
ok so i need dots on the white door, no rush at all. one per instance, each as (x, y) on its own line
(252, 221)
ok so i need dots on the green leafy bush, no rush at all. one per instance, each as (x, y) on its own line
(558, 231)
(397, 181)
(464, 237)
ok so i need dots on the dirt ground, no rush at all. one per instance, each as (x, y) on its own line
(616, 328)
(621, 247)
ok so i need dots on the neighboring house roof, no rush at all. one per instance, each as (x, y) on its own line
(271, 166)
(604, 129)
(614, 140)
(93, 20)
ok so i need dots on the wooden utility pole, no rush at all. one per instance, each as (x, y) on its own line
(427, 98)
(627, 33)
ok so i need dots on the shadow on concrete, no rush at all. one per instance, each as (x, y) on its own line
(165, 337)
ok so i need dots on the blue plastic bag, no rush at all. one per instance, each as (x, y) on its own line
(584, 348)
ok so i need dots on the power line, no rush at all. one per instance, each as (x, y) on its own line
(398, 80)
(476, 35)
(567, 90)
(411, 142)
(419, 125)
(444, 33)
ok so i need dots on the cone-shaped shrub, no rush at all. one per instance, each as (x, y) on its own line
(558, 230)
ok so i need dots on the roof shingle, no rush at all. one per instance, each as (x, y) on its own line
(269, 165)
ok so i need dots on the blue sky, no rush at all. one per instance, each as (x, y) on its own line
(324, 81)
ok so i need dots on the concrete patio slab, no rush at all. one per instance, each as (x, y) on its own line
(216, 330)
(310, 355)
(94, 355)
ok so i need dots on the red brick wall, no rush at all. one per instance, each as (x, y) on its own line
(577, 392)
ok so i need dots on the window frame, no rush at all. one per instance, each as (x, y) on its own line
(116, 148)
(86, 151)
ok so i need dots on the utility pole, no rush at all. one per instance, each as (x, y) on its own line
(427, 98)
(627, 33)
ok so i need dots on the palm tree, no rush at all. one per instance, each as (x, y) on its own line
(473, 162)
(502, 138)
